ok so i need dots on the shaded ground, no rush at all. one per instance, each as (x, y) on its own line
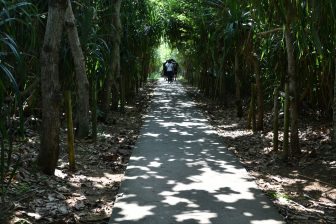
(304, 189)
(87, 195)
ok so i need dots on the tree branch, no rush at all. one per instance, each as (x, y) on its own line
(270, 31)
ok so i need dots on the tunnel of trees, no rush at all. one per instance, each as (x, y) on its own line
(87, 58)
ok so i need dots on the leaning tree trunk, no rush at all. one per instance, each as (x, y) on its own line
(238, 84)
(294, 137)
(50, 87)
(115, 59)
(82, 115)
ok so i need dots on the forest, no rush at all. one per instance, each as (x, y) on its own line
(77, 77)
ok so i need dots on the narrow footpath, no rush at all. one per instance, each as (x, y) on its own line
(180, 172)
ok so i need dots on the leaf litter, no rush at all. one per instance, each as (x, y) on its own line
(84, 196)
(303, 189)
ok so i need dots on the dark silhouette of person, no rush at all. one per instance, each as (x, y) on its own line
(170, 70)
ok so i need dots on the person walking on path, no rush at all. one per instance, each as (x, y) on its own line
(164, 70)
(170, 70)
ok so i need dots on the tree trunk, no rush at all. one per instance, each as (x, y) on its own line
(286, 123)
(294, 140)
(50, 87)
(123, 92)
(252, 111)
(106, 94)
(115, 59)
(222, 85)
(115, 96)
(82, 116)
(276, 120)
(259, 93)
(71, 140)
(334, 110)
(238, 84)
(94, 108)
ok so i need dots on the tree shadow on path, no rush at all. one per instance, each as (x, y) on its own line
(180, 172)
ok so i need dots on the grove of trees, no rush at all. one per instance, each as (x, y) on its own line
(55, 56)
(285, 46)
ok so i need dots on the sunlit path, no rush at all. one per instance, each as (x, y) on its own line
(180, 172)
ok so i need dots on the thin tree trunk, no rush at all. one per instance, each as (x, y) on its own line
(223, 86)
(286, 123)
(71, 139)
(50, 87)
(252, 112)
(82, 116)
(115, 59)
(259, 93)
(123, 93)
(294, 140)
(238, 84)
(276, 119)
(106, 94)
(94, 108)
(115, 96)
(334, 110)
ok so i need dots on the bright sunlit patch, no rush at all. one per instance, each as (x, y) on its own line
(138, 212)
(184, 133)
(105, 135)
(154, 164)
(164, 101)
(223, 184)
(198, 140)
(232, 198)
(266, 206)
(151, 135)
(172, 200)
(228, 126)
(230, 207)
(167, 193)
(191, 124)
(31, 140)
(210, 132)
(60, 174)
(145, 177)
(247, 214)
(202, 217)
(171, 182)
(36, 216)
(167, 124)
(187, 104)
(266, 221)
(138, 158)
